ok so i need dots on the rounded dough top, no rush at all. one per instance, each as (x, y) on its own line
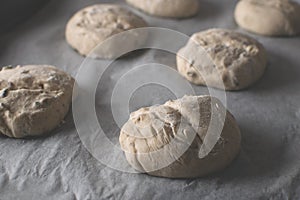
(167, 8)
(166, 140)
(92, 25)
(222, 57)
(285, 6)
(35, 77)
(34, 99)
(226, 47)
(269, 17)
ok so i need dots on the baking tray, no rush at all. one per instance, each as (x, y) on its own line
(59, 166)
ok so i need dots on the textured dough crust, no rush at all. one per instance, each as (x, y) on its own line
(186, 121)
(269, 17)
(34, 99)
(94, 24)
(223, 59)
(167, 8)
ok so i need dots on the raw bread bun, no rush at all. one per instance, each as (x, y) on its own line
(172, 140)
(93, 25)
(269, 17)
(34, 99)
(223, 59)
(167, 8)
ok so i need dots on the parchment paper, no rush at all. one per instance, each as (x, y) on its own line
(59, 167)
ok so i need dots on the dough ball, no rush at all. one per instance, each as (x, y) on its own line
(167, 140)
(34, 99)
(223, 59)
(269, 17)
(167, 8)
(92, 25)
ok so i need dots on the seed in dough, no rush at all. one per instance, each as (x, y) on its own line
(223, 59)
(34, 99)
(92, 25)
(167, 8)
(166, 140)
(269, 17)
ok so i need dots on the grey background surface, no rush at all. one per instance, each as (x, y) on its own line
(59, 167)
(15, 11)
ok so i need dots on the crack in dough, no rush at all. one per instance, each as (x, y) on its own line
(180, 146)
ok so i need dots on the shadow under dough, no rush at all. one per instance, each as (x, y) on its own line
(261, 154)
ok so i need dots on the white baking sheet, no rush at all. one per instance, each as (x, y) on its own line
(59, 167)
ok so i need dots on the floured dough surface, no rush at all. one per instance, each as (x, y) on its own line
(167, 8)
(223, 59)
(177, 132)
(269, 17)
(92, 25)
(34, 99)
